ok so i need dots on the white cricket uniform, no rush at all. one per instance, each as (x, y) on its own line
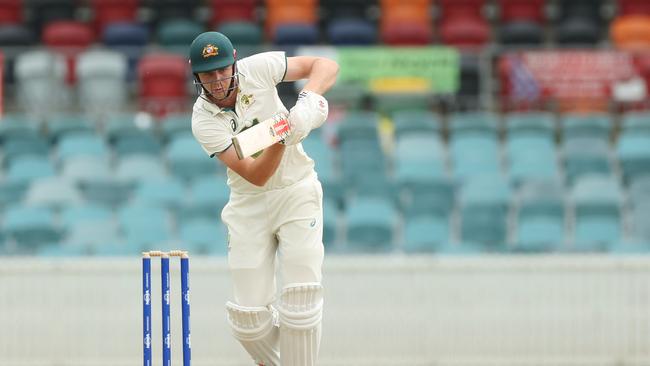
(286, 213)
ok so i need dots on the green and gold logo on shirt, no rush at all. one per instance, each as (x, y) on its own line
(247, 100)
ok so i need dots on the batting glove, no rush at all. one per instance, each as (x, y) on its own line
(310, 112)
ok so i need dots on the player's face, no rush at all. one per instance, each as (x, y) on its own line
(217, 82)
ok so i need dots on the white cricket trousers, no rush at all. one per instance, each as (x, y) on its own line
(288, 221)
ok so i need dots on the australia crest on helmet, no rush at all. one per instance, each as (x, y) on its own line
(210, 50)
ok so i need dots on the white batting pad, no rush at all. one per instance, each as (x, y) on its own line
(301, 310)
(256, 329)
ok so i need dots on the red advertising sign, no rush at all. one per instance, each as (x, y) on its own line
(561, 75)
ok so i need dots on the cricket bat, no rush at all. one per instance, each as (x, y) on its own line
(261, 135)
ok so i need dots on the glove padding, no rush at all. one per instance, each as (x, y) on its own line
(310, 112)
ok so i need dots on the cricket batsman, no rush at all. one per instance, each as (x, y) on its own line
(275, 204)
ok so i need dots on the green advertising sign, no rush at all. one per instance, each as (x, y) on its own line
(439, 66)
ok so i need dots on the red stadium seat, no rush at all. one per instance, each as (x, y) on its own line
(461, 9)
(633, 7)
(532, 10)
(67, 33)
(163, 83)
(231, 10)
(465, 32)
(11, 11)
(407, 34)
(111, 11)
(70, 38)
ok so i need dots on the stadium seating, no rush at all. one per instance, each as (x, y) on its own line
(204, 237)
(40, 78)
(231, 10)
(425, 234)
(242, 32)
(12, 12)
(370, 224)
(597, 203)
(163, 80)
(113, 11)
(484, 203)
(461, 173)
(540, 216)
(30, 227)
(145, 227)
(102, 77)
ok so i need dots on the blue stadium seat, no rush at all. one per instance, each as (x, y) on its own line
(351, 31)
(368, 162)
(586, 156)
(596, 126)
(187, 160)
(145, 227)
(132, 134)
(630, 248)
(20, 136)
(370, 224)
(531, 156)
(358, 125)
(425, 233)
(242, 32)
(61, 125)
(177, 34)
(208, 196)
(325, 165)
(639, 189)
(530, 123)
(202, 236)
(633, 152)
(139, 167)
(295, 34)
(93, 237)
(636, 122)
(13, 126)
(641, 219)
(86, 169)
(17, 147)
(77, 144)
(125, 34)
(56, 192)
(78, 215)
(102, 81)
(415, 121)
(484, 203)
(31, 227)
(12, 192)
(166, 192)
(28, 168)
(540, 216)
(420, 147)
(177, 124)
(130, 39)
(474, 155)
(473, 122)
(424, 189)
(597, 204)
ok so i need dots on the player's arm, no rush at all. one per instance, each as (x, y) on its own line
(256, 171)
(311, 109)
(320, 72)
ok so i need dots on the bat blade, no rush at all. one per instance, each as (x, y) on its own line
(261, 136)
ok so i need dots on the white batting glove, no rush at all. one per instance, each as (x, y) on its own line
(310, 112)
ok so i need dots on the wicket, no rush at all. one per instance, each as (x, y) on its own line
(165, 296)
